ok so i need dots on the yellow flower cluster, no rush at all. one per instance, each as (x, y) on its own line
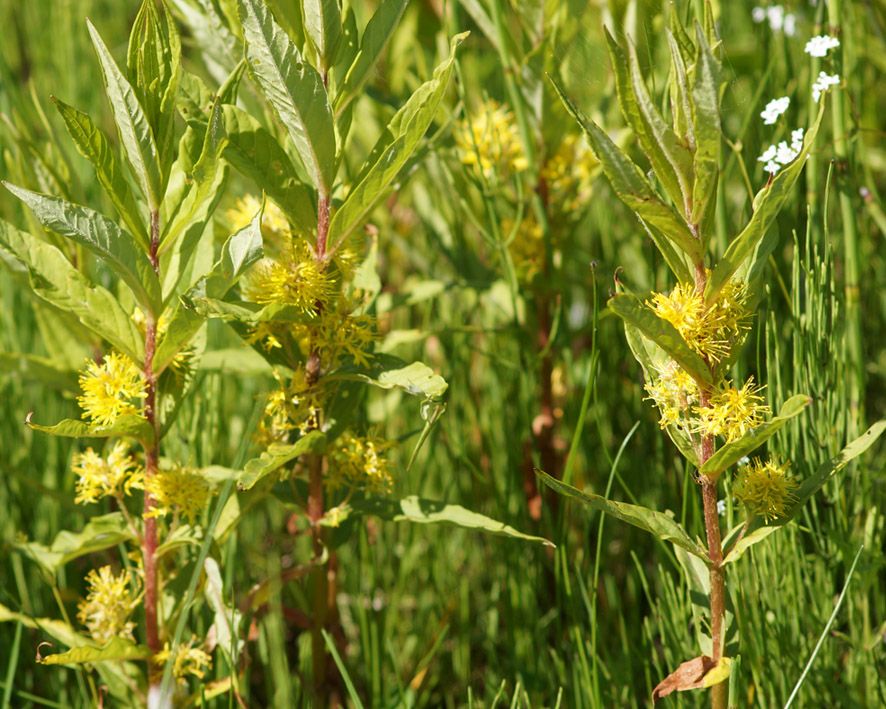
(108, 604)
(98, 478)
(489, 142)
(296, 278)
(567, 176)
(111, 389)
(673, 391)
(178, 489)
(359, 462)
(527, 247)
(293, 406)
(190, 659)
(733, 412)
(765, 489)
(709, 330)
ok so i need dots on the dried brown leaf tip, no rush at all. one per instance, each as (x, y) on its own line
(697, 673)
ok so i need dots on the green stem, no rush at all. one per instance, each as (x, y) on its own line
(842, 155)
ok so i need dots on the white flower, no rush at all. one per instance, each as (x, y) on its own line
(785, 154)
(721, 507)
(797, 139)
(779, 21)
(790, 24)
(821, 45)
(774, 109)
(758, 14)
(768, 154)
(822, 84)
(772, 167)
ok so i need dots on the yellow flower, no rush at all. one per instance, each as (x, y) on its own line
(293, 406)
(178, 489)
(673, 392)
(106, 609)
(360, 462)
(765, 489)
(295, 279)
(98, 478)
(111, 389)
(190, 659)
(490, 143)
(709, 330)
(567, 176)
(733, 412)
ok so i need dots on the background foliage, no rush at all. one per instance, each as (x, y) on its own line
(457, 618)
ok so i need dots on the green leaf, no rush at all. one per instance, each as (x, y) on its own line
(153, 62)
(662, 333)
(670, 160)
(276, 456)
(323, 28)
(769, 202)
(94, 146)
(417, 378)
(421, 511)
(632, 187)
(39, 369)
(126, 425)
(133, 125)
(240, 251)
(392, 150)
(101, 236)
(294, 89)
(226, 620)
(208, 178)
(117, 649)
(376, 36)
(55, 280)
(255, 152)
(245, 312)
(660, 524)
(760, 529)
(681, 102)
(706, 128)
(731, 453)
(102, 532)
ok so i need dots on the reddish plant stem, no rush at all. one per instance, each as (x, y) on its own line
(712, 530)
(152, 456)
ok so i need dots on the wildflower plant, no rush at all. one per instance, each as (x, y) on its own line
(687, 338)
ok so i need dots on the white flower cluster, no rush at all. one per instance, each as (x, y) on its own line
(821, 45)
(775, 156)
(822, 84)
(774, 109)
(779, 20)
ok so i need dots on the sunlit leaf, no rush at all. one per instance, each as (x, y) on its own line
(116, 649)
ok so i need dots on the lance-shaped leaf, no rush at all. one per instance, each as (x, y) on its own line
(276, 456)
(130, 425)
(390, 372)
(244, 312)
(132, 123)
(226, 619)
(101, 236)
(768, 204)
(415, 509)
(323, 28)
(116, 649)
(375, 38)
(94, 146)
(705, 127)
(392, 150)
(671, 161)
(731, 453)
(294, 89)
(55, 280)
(101, 532)
(681, 102)
(631, 185)
(759, 529)
(662, 333)
(658, 523)
(681, 36)
(256, 153)
(153, 60)
(697, 673)
(240, 251)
